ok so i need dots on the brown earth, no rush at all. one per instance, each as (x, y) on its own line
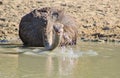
(99, 20)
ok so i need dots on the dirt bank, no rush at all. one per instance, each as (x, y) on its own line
(99, 20)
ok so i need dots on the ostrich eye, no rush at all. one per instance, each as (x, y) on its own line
(55, 14)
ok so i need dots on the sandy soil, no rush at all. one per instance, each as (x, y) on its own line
(99, 20)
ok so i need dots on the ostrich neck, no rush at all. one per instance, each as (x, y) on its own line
(52, 40)
(56, 41)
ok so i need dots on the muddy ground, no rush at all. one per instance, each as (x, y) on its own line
(99, 20)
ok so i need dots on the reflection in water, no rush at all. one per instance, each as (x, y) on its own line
(66, 63)
(60, 63)
(52, 64)
(88, 60)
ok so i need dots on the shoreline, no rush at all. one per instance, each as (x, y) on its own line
(19, 42)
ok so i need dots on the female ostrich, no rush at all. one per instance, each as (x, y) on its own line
(48, 27)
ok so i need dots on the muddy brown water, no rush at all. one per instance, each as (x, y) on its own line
(86, 60)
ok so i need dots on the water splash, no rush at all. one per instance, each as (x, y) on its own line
(69, 52)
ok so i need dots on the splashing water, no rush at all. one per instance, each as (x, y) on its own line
(61, 51)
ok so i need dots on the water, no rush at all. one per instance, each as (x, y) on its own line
(86, 60)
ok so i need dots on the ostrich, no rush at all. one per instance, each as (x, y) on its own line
(48, 27)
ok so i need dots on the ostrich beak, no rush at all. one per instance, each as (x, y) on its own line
(58, 33)
(58, 29)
